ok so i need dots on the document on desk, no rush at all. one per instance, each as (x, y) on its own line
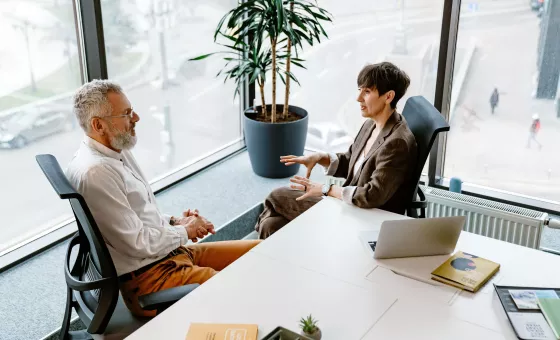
(216, 331)
(531, 326)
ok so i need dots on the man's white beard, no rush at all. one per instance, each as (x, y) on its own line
(122, 140)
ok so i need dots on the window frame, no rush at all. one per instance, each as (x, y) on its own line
(93, 65)
(442, 101)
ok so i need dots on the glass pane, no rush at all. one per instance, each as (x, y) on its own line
(185, 111)
(39, 70)
(505, 117)
(405, 32)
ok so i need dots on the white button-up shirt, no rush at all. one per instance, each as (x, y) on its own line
(123, 206)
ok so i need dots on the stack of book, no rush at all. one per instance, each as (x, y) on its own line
(465, 271)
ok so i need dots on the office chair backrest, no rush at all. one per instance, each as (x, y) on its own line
(425, 122)
(93, 278)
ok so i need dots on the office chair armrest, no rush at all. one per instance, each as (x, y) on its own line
(418, 205)
(165, 298)
(421, 203)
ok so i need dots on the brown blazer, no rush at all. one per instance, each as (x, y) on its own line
(384, 180)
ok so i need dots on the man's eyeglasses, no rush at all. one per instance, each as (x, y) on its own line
(130, 115)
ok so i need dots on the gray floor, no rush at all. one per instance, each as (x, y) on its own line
(33, 293)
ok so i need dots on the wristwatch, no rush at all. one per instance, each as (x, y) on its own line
(326, 189)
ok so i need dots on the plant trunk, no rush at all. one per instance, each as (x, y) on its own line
(289, 49)
(287, 95)
(273, 111)
(263, 110)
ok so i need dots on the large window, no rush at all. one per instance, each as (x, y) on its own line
(504, 108)
(405, 32)
(505, 117)
(39, 70)
(185, 111)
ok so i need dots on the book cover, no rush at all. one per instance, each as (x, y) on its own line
(465, 271)
(527, 299)
(216, 331)
(551, 311)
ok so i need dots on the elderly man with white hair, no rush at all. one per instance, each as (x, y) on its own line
(147, 247)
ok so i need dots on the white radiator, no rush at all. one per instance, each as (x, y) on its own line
(485, 217)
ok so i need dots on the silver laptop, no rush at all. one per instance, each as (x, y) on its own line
(414, 237)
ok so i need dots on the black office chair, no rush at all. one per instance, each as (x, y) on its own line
(425, 122)
(92, 283)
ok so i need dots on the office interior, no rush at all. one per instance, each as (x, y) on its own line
(490, 165)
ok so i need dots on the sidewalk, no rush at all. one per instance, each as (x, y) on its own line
(491, 149)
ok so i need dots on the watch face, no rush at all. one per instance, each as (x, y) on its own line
(326, 188)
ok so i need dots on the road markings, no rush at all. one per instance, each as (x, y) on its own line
(323, 73)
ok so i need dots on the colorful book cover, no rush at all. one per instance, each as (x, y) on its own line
(465, 271)
(527, 299)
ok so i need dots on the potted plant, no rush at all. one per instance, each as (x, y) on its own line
(260, 37)
(309, 328)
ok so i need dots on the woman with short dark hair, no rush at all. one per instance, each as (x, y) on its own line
(378, 166)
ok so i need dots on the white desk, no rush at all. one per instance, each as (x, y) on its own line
(317, 264)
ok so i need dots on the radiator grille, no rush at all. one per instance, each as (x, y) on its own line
(488, 218)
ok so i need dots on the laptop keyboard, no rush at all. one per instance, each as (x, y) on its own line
(372, 244)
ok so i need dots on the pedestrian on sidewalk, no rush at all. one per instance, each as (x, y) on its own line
(535, 127)
(494, 99)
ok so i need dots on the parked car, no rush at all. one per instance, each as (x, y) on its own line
(536, 5)
(328, 137)
(23, 127)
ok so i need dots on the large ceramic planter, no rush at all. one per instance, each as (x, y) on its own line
(266, 142)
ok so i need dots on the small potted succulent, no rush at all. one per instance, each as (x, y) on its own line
(309, 328)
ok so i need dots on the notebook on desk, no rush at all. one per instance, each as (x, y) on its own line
(465, 271)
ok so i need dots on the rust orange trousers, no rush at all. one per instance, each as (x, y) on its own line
(191, 264)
